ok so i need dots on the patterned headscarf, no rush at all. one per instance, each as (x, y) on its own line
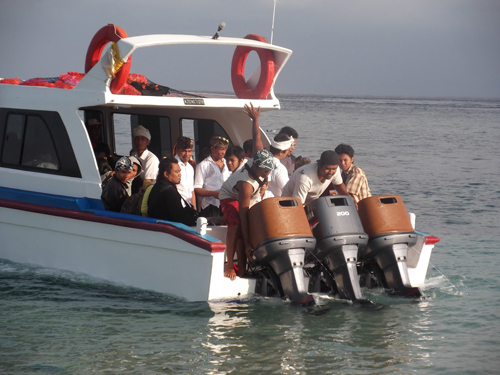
(123, 163)
(137, 161)
(264, 160)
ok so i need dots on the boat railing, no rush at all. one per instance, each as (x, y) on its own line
(85, 209)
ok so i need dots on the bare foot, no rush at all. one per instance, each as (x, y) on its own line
(229, 272)
(241, 271)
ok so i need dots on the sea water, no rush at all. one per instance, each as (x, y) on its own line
(440, 155)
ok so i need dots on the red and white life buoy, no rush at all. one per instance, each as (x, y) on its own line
(109, 33)
(240, 86)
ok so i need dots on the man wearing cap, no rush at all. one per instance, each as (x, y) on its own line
(310, 181)
(183, 154)
(150, 163)
(238, 193)
(116, 190)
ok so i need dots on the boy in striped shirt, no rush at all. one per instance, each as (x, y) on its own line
(354, 178)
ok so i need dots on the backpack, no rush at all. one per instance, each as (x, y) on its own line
(136, 203)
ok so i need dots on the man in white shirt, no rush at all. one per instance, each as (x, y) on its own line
(210, 175)
(279, 176)
(150, 163)
(184, 153)
(310, 181)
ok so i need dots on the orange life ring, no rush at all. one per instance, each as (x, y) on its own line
(263, 87)
(109, 33)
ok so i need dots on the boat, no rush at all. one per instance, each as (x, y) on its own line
(51, 213)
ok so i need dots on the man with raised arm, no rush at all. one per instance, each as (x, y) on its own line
(278, 178)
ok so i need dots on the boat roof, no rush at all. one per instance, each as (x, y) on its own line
(93, 88)
(128, 45)
(97, 80)
(92, 93)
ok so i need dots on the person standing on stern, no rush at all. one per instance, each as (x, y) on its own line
(240, 192)
(310, 181)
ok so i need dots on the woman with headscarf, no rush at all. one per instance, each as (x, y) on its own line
(136, 181)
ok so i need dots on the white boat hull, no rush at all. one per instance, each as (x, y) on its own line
(144, 259)
(417, 272)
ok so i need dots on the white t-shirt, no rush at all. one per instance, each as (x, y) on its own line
(242, 165)
(186, 186)
(150, 164)
(304, 183)
(209, 176)
(228, 189)
(277, 180)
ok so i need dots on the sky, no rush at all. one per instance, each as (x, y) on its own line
(410, 48)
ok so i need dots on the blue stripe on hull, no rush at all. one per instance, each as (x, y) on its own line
(92, 209)
(59, 201)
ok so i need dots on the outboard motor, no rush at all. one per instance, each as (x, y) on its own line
(339, 233)
(281, 236)
(388, 225)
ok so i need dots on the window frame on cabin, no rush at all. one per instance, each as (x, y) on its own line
(31, 126)
(201, 130)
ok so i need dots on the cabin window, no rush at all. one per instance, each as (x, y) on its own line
(38, 150)
(91, 115)
(158, 126)
(13, 139)
(35, 141)
(201, 130)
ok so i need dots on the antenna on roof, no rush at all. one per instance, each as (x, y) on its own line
(272, 27)
(221, 27)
